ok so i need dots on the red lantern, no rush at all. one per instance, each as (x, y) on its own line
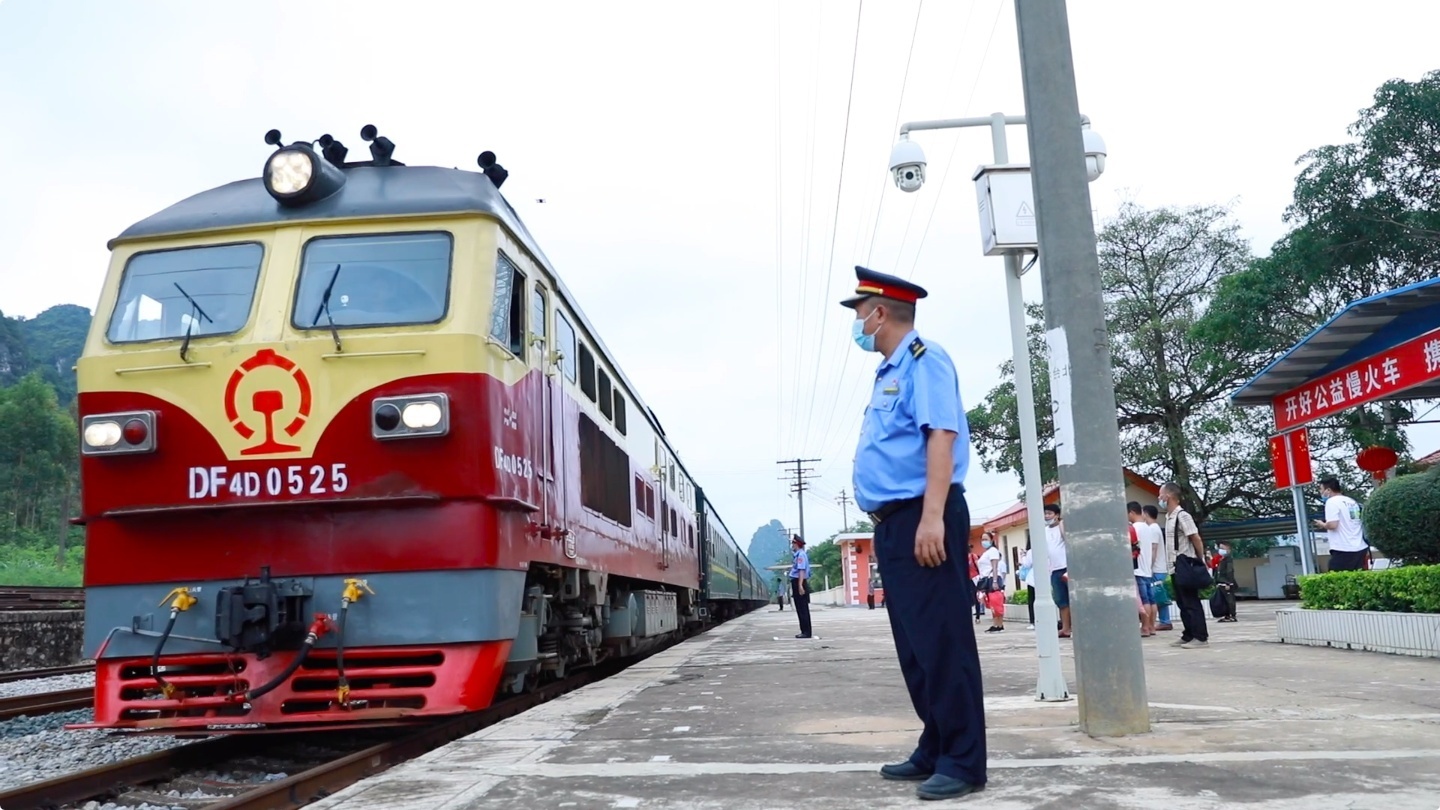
(1376, 460)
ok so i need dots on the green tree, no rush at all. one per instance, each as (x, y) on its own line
(1160, 269)
(995, 422)
(1365, 219)
(54, 340)
(38, 460)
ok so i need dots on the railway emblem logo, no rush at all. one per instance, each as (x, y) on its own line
(267, 402)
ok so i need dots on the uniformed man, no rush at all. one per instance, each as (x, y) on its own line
(909, 475)
(800, 584)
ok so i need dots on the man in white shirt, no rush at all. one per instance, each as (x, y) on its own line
(1342, 522)
(1059, 565)
(1147, 538)
(1160, 568)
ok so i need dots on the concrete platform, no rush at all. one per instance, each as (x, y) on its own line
(736, 719)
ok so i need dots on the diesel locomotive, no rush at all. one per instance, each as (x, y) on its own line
(352, 454)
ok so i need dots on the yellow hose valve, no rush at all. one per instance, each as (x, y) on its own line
(352, 590)
(182, 601)
(342, 696)
(168, 690)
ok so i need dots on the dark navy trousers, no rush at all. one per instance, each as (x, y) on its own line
(930, 617)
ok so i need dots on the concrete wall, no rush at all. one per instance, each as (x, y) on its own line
(40, 638)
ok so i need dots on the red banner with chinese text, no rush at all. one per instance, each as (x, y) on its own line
(1409, 364)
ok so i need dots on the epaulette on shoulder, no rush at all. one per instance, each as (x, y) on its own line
(917, 348)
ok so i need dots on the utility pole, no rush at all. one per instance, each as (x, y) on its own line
(1109, 664)
(844, 501)
(799, 479)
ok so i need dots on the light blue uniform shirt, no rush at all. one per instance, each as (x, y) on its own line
(916, 389)
(799, 561)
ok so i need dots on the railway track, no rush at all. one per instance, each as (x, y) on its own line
(47, 672)
(39, 598)
(46, 703)
(294, 791)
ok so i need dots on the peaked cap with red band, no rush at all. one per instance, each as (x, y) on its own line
(884, 286)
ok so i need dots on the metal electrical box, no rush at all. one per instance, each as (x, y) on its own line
(1007, 209)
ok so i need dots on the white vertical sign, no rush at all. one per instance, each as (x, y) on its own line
(1060, 393)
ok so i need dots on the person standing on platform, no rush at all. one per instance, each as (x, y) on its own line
(1160, 568)
(800, 584)
(1059, 565)
(1342, 522)
(1189, 548)
(1225, 582)
(909, 477)
(1027, 576)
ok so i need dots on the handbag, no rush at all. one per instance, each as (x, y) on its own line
(1218, 607)
(1190, 572)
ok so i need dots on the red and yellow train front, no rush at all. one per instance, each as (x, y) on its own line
(299, 430)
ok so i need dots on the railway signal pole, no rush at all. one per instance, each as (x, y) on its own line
(799, 479)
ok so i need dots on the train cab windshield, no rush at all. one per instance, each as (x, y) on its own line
(373, 280)
(167, 294)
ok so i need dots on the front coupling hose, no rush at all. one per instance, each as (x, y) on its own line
(318, 628)
(182, 602)
(351, 594)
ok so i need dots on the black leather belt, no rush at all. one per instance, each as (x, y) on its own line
(888, 509)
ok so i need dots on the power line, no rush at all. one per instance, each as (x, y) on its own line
(829, 265)
(899, 103)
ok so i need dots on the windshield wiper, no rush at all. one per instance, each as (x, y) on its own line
(324, 309)
(190, 327)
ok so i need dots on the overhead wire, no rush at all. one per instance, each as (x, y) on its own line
(950, 161)
(831, 435)
(779, 233)
(838, 375)
(806, 212)
(828, 267)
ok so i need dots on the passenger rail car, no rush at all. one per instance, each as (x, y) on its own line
(352, 454)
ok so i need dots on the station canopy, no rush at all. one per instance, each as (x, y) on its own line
(1385, 347)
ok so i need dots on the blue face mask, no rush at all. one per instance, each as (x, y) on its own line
(857, 333)
(985, 544)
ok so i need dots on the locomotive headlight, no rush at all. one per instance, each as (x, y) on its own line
(289, 172)
(420, 415)
(102, 434)
(295, 175)
(117, 433)
(410, 416)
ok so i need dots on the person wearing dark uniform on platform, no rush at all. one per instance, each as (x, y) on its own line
(909, 476)
(800, 584)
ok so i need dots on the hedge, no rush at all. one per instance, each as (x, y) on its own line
(1411, 589)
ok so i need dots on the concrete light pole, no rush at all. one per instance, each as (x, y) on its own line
(1109, 663)
(908, 157)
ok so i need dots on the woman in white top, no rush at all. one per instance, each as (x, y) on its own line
(992, 582)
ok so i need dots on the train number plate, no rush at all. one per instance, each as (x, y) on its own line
(292, 479)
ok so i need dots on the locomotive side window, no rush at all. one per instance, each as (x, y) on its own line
(607, 396)
(507, 309)
(537, 320)
(620, 412)
(201, 290)
(565, 344)
(587, 371)
(373, 280)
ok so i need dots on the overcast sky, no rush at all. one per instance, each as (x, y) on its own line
(690, 159)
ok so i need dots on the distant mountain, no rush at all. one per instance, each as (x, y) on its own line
(768, 544)
(50, 342)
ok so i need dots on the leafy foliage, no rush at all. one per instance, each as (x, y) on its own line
(1160, 269)
(1402, 517)
(1411, 589)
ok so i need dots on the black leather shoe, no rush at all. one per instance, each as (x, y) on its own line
(801, 635)
(940, 786)
(906, 771)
